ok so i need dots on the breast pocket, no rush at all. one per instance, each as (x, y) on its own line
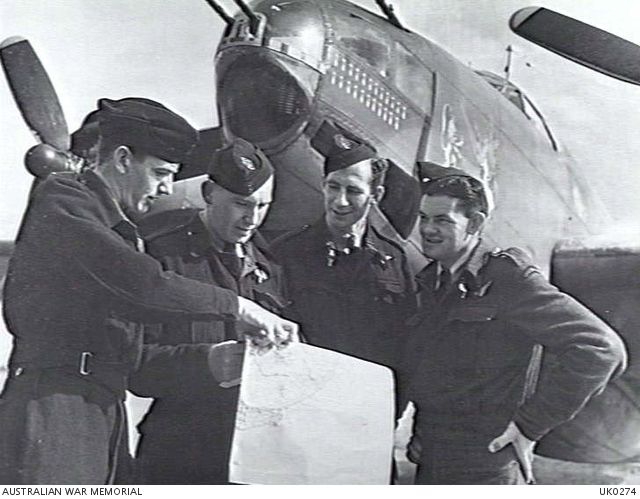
(494, 346)
(390, 291)
(476, 335)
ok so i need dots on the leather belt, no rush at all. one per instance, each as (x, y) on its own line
(86, 364)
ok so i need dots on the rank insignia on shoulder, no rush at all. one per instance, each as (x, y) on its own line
(520, 258)
(517, 255)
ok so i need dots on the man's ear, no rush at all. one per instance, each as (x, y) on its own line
(122, 157)
(378, 194)
(476, 222)
(206, 188)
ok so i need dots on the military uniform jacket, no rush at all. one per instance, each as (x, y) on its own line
(191, 414)
(76, 289)
(181, 242)
(469, 350)
(355, 304)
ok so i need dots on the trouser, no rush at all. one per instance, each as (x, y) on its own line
(509, 474)
(440, 464)
(182, 459)
(60, 428)
(187, 440)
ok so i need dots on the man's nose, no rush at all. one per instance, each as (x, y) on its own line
(341, 198)
(427, 227)
(165, 188)
(252, 215)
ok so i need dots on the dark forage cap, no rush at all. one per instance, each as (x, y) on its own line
(340, 148)
(240, 167)
(401, 201)
(140, 123)
(432, 174)
(428, 171)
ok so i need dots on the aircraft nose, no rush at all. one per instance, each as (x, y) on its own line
(266, 85)
(262, 100)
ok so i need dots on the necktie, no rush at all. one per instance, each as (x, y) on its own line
(233, 260)
(444, 283)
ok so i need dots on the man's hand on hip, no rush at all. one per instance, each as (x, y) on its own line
(522, 445)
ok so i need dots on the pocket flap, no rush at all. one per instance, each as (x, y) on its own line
(391, 285)
(474, 313)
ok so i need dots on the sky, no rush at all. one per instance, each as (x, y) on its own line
(164, 51)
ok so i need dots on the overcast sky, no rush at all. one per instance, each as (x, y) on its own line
(164, 50)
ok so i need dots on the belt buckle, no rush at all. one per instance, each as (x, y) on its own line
(84, 359)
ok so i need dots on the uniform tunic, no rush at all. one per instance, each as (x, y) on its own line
(468, 355)
(186, 435)
(353, 303)
(75, 284)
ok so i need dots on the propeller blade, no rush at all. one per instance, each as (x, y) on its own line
(34, 94)
(579, 42)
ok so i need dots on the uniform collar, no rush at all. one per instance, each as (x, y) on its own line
(198, 236)
(370, 243)
(466, 272)
(240, 250)
(201, 241)
(477, 259)
(114, 216)
(368, 239)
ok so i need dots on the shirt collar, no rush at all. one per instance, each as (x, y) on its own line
(463, 262)
(348, 241)
(468, 265)
(214, 240)
(367, 243)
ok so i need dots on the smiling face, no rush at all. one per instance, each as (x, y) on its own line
(233, 218)
(348, 196)
(144, 179)
(447, 233)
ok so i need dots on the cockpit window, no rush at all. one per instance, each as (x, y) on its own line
(376, 54)
(514, 95)
(365, 40)
(413, 78)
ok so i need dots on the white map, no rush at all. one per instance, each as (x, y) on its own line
(307, 415)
